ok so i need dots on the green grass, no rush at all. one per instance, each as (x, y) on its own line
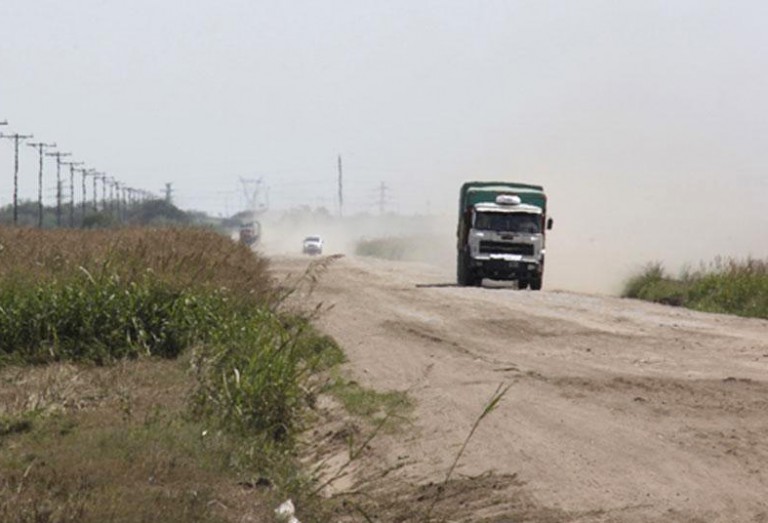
(255, 375)
(243, 376)
(737, 287)
(101, 298)
(368, 403)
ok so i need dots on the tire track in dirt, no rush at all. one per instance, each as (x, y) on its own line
(618, 410)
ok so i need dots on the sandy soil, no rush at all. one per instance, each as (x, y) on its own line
(617, 410)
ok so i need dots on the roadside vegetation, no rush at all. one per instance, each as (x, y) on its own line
(423, 248)
(154, 212)
(150, 375)
(389, 248)
(163, 375)
(730, 286)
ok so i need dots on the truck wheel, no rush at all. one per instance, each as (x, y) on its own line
(461, 275)
(474, 280)
(536, 284)
(464, 275)
(522, 284)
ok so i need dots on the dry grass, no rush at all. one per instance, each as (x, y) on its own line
(115, 444)
(180, 257)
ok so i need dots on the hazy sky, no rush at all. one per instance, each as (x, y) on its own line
(638, 116)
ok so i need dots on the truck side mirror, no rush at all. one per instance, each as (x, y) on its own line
(549, 223)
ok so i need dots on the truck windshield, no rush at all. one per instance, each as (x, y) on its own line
(508, 222)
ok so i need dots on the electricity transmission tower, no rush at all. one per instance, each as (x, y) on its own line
(252, 194)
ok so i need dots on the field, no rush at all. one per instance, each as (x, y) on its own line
(156, 375)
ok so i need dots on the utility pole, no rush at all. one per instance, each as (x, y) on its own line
(125, 203)
(382, 196)
(72, 192)
(103, 179)
(58, 156)
(84, 173)
(117, 201)
(169, 193)
(96, 175)
(341, 187)
(40, 146)
(16, 139)
(112, 196)
(114, 193)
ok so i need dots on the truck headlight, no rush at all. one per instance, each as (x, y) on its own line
(531, 266)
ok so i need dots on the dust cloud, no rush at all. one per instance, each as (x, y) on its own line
(429, 238)
(600, 237)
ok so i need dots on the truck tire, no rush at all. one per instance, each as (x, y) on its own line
(536, 283)
(461, 270)
(522, 284)
(464, 275)
(473, 280)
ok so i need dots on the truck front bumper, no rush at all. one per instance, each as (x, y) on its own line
(505, 269)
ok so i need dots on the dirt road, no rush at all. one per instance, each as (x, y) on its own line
(617, 410)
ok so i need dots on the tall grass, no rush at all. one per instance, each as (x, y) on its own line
(182, 258)
(98, 296)
(728, 286)
(254, 376)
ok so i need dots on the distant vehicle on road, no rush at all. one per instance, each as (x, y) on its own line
(312, 245)
(250, 233)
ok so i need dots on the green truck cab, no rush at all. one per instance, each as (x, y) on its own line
(501, 233)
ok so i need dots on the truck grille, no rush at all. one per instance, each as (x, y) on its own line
(491, 247)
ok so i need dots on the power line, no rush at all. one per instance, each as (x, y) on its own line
(58, 156)
(72, 192)
(40, 146)
(16, 139)
(96, 175)
(252, 200)
(103, 178)
(84, 173)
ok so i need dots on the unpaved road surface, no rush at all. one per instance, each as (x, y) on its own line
(617, 410)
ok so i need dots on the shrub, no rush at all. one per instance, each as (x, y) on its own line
(733, 286)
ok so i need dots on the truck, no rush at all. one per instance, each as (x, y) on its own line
(501, 233)
(249, 233)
